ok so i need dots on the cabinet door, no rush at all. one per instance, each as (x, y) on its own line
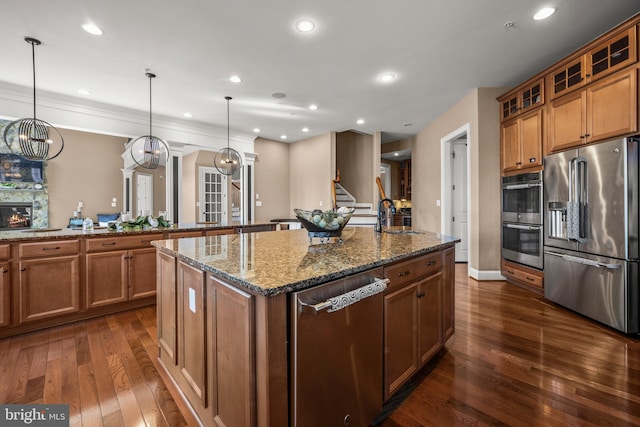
(532, 95)
(232, 374)
(5, 293)
(142, 273)
(49, 287)
(400, 337)
(531, 138)
(567, 77)
(614, 54)
(448, 293)
(192, 356)
(612, 106)
(510, 146)
(430, 324)
(106, 278)
(166, 307)
(567, 121)
(509, 107)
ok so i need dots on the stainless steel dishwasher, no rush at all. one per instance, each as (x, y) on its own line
(337, 352)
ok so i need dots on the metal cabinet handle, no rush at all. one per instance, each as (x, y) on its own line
(51, 249)
(431, 263)
(108, 244)
(531, 279)
(404, 273)
(420, 294)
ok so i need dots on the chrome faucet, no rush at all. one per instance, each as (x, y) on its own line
(378, 228)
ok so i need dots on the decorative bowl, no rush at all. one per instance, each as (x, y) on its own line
(324, 224)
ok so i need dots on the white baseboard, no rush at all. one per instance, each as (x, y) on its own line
(481, 275)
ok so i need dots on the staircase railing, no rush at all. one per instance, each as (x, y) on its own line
(333, 190)
(381, 190)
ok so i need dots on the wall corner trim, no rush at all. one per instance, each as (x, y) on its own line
(482, 275)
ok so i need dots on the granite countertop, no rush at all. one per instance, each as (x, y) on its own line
(74, 233)
(272, 263)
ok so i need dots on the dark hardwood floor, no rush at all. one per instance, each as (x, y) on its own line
(514, 359)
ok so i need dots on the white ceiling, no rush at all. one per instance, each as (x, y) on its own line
(439, 49)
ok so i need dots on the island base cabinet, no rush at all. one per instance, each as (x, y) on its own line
(448, 293)
(206, 340)
(48, 287)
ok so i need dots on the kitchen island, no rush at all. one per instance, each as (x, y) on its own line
(227, 307)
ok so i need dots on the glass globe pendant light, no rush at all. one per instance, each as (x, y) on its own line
(228, 160)
(31, 138)
(149, 151)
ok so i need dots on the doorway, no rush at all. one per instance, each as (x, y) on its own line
(455, 189)
(213, 197)
(385, 179)
(144, 193)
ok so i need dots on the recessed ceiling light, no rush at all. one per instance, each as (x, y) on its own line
(93, 29)
(386, 77)
(305, 25)
(256, 130)
(188, 115)
(283, 136)
(305, 129)
(360, 121)
(235, 79)
(313, 107)
(84, 92)
(544, 13)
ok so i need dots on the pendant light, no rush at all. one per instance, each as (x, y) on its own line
(149, 151)
(31, 138)
(228, 160)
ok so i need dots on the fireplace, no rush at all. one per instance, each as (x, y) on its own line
(15, 215)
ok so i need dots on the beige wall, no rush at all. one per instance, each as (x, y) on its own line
(480, 110)
(272, 180)
(354, 157)
(87, 170)
(312, 169)
(188, 196)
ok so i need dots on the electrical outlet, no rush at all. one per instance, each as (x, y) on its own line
(113, 205)
(258, 203)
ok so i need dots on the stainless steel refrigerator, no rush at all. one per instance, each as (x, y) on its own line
(591, 232)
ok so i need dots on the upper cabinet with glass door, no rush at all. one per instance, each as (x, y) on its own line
(605, 57)
(522, 99)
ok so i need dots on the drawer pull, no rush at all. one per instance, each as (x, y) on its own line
(431, 263)
(511, 272)
(109, 244)
(420, 294)
(51, 249)
(531, 279)
(5, 270)
(404, 273)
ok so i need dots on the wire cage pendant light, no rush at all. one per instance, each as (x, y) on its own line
(228, 160)
(149, 151)
(31, 138)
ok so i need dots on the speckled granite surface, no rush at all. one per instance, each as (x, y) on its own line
(271, 263)
(68, 233)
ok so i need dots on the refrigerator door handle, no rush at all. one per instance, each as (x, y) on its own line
(585, 261)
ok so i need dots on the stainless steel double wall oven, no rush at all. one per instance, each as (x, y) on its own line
(522, 219)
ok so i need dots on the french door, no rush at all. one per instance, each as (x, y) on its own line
(213, 196)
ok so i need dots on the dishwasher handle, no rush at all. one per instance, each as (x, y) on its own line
(341, 301)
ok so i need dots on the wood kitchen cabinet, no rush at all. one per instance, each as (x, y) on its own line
(522, 99)
(523, 276)
(166, 309)
(5, 286)
(448, 292)
(602, 110)
(413, 317)
(522, 142)
(120, 269)
(48, 279)
(602, 58)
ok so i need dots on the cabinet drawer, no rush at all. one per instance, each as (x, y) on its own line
(47, 249)
(122, 242)
(5, 252)
(413, 269)
(521, 276)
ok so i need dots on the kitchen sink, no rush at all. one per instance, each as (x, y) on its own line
(392, 231)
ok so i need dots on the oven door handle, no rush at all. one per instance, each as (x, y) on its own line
(584, 261)
(521, 186)
(524, 227)
(341, 301)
